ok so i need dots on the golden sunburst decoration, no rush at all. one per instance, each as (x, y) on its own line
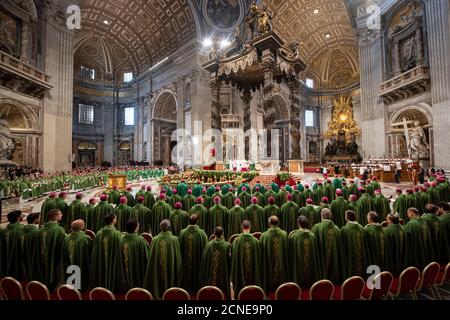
(342, 119)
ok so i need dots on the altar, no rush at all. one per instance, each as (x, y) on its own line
(117, 180)
(240, 165)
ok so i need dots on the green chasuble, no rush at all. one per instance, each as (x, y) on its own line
(140, 193)
(401, 207)
(113, 197)
(142, 214)
(370, 190)
(288, 216)
(318, 195)
(197, 190)
(423, 199)
(245, 262)
(11, 251)
(182, 189)
(352, 241)
(123, 214)
(397, 250)
(445, 250)
(269, 210)
(299, 198)
(434, 195)
(192, 243)
(215, 267)
(77, 210)
(206, 201)
(411, 201)
(188, 202)
(329, 191)
(281, 197)
(135, 253)
(274, 260)
(48, 205)
(330, 251)
(107, 263)
(178, 221)
(47, 254)
(365, 204)
(260, 197)
(228, 200)
(309, 194)
(376, 245)
(439, 237)
(100, 212)
(149, 199)
(381, 206)
(304, 268)
(345, 192)
(337, 183)
(90, 209)
(255, 214)
(269, 193)
(245, 198)
(236, 216)
(130, 199)
(218, 217)
(311, 213)
(338, 208)
(62, 206)
(77, 250)
(161, 210)
(420, 248)
(29, 236)
(164, 268)
(174, 199)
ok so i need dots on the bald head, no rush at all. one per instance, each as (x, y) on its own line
(77, 225)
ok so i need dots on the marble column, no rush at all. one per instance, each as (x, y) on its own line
(295, 135)
(246, 99)
(437, 13)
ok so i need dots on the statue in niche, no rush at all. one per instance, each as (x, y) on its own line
(7, 142)
(417, 144)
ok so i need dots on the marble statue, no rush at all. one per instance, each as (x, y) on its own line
(417, 142)
(6, 141)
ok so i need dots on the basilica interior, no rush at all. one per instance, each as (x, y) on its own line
(112, 81)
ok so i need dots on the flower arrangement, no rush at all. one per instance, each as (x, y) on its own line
(283, 176)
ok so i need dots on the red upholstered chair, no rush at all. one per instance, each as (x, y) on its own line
(321, 290)
(288, 291)
(68, 293)
(428, 278)
(11, 289)
(101, 294)
(257, 235)
(148, 237)
(384, 279)
(351, 289)
(251, 293)
(232, 238)
(406, 283)
(210, 293)
(176, 294)
(442, 278)
(90, 233)
(138, 294)
(37, 291)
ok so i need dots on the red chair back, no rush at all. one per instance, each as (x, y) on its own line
(90, 233)
(37, 291)
(233, 237)
(352, 288)
(288, 291)
(321, 290)
(101, 294)
(257, 235)
(384, 280)
(176, 294)
(409, 279)
(11, 289)
(138, 294)
(210, 293)
(429, 275)
(68, 293)
(251, 293)
(148, 237)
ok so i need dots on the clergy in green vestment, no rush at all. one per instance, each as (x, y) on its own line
(309, 194)
(329, 191)
(140, 193)
(182, 188)
(90, 208)
(245, 260)
(259, 196)
(444, 213)
(216, 263)
(135, 253)
(202, 213)
(299, 197)
(123, 213)
(304, 268)
(161, 211)
(411, 199)
(345, 190)
(381, 205)
(107, 260)
(288, 215)
(420, 247)
(165, 266)
(77, 210)
(318, 193)
(206, 199)
(216, 194)
(217, 217)
(310, 212)
(261, 187)
(353, 188)
(236, 216)
(331, 258)
(10, 247)
(100, 212)
(130, 199)
(211, 190)
(114, 196)
(338, 208)
(375, 184)
(281, 197)
(197, 189)
(178, 219)
(432, 192)
(439, 237)
(61, 205)
(48, 205)
(174, 198)
(401, 205)
(324, 204)
(365, 205)
(188, 201)
(77, 251)
(269, 193)
(149, 198)
(375, 241)
(245, 198)
(274, 259)
(352, 241)
(255, 214)
(192, 243)
(270, 210)
(337, 183)
(142, 214)
(275, 187)
(29, 236)
(228, 199)
(47, 251)
(397, 249)
(369, 189)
